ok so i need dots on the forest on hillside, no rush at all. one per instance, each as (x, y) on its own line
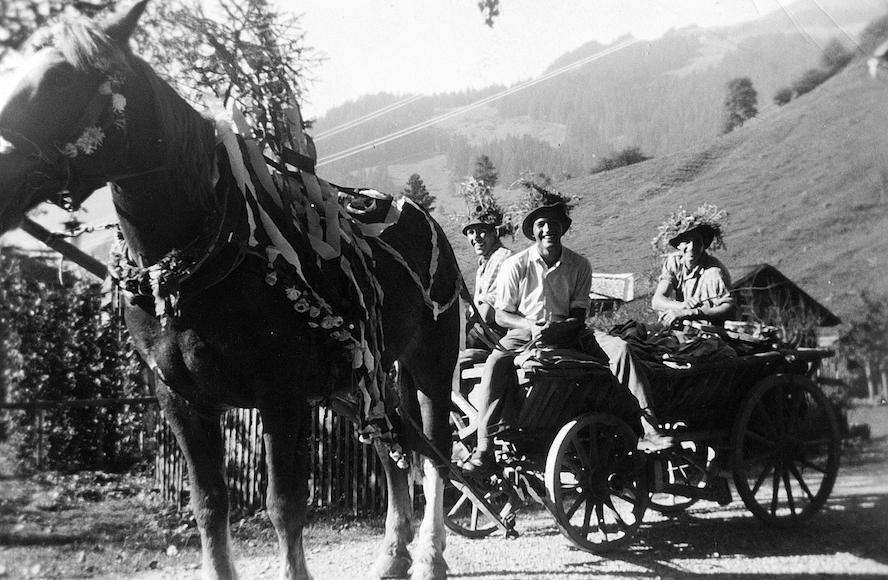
(661, 96)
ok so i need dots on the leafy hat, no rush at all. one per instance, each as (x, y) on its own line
(483, 209)
(706, 219)
(538, 202)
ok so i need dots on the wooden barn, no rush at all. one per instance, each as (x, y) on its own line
(764, 294)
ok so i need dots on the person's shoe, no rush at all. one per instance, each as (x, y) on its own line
(654, 441)
(479, 466)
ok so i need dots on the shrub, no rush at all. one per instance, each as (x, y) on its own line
(783, 96)
(54, 346)
(628, 156)
(810, 80)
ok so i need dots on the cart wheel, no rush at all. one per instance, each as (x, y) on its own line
(463, 516)
(687, 464)
(596, 482)
(785, 446)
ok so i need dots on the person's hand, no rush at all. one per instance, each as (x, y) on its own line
(673, 316)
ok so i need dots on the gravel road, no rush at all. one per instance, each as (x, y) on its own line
(847, 539)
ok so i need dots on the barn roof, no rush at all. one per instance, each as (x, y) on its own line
(754, 276)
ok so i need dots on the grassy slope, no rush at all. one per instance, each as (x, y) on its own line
(804, 188)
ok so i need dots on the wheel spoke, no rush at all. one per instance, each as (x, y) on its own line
(775, 492)
(766, 471)
(584, 456)
(573, 509)
(476, 513)
(807, 463)
(587, 520)
(796, 397)
(798, 477)
(459, 503)
(599, 515)
(767, 422)
(759, 458)
(790, 500)
(621, 523)
(815, 443)
(758, 438)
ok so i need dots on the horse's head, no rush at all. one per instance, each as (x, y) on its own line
(64, 123)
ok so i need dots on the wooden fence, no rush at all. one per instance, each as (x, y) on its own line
(345, 474)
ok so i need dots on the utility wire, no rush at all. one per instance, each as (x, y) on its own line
(479, 103)
(839, 26)
(368, 117)
(798, 26)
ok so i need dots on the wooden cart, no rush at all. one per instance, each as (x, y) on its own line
(758, 419)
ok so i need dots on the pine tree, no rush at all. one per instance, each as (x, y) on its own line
(416, 190)
(485, 171)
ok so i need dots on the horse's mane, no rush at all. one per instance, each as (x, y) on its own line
(188, 136)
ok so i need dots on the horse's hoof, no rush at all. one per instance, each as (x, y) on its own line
(429, 569)
(391, 567)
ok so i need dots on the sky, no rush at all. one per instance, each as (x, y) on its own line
(428, 46)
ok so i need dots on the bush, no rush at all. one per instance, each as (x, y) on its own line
(55, 347)
(783, 96)
(628, 156)
(835, 56)
(809, 81)
(875, 33)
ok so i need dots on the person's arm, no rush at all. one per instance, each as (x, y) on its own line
(508, 319)
(661, 299)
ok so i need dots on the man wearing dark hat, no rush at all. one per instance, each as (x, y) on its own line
(482, 233)
(542, 295)
(693, 285)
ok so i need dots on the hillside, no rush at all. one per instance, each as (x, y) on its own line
(806, 187)
(661, 95)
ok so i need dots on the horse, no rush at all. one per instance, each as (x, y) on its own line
(84, 112)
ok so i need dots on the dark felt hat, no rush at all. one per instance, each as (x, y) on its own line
(706, 230)
(557, 210)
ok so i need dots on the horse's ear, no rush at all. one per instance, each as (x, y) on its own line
(121, 25)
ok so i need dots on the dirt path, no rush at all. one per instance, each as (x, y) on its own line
(849, 538)
(48, 531)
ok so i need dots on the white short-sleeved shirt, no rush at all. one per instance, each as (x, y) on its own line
(528, 287)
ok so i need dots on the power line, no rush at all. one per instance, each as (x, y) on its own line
(479, 103)
(798, 26)
(368, 117)
(837, 25)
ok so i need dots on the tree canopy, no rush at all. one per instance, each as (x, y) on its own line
(741, 103)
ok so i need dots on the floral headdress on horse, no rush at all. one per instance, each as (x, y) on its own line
(482, 207)
(539, 200)
(708, 219)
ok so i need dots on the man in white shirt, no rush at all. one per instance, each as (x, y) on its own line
(542, 293)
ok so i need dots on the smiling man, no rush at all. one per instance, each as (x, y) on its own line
(482, 233)
(542, 296)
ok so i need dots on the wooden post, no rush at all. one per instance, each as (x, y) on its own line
(66, 249)
(870, 380)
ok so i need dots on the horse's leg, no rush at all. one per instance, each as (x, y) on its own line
(428, 554)
(287, 458)
(394, 560)
(200, 439)
(432, 368)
